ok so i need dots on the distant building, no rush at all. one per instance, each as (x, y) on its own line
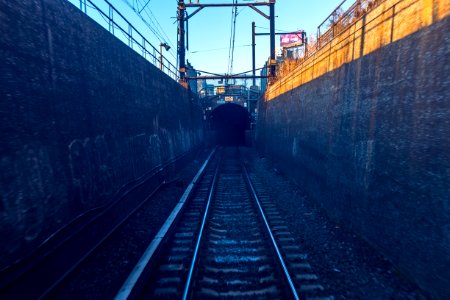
(201, 87)
(278, 51)
(210, 89)
(264, 72)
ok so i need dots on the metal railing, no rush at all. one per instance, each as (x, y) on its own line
(112, 20)
(341, 17)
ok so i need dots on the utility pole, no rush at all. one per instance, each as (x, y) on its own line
(305, 41)
(272, 38)
(253, 53)
(181, 41)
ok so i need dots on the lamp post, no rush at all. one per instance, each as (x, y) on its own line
(167, 47)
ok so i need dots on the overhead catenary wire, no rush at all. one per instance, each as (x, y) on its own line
(145, 5)
(232, 37)
(167, 40)
(218, 74)
(132, 6)
(278, 30)
(149, 11)
(153, 24)
(229, 42)
(151, 16)
(217, 49)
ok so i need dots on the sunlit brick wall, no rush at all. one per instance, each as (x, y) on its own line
(391, 21)
(363, 127)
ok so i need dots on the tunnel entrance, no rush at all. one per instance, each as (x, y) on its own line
(230, 121)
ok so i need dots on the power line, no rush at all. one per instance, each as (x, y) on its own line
(142, 18)
(278, 30)
(229, 43)
(145, 5)
(159, 25)
(232, 38)
(162, 37)
(217, 49)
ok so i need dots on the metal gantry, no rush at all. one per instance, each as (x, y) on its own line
(182, 17)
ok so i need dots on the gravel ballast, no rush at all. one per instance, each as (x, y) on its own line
(348, 267)
(104, 272)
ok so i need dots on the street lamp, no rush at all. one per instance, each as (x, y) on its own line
(167, 47)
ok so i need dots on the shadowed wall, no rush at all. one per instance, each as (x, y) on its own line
(81, 114)
(368, 136)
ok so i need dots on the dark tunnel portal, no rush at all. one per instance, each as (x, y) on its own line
(230, 121)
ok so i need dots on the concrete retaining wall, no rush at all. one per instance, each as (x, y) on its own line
(81, 114)
(369, 137)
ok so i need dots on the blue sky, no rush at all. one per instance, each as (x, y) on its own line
(211, 28)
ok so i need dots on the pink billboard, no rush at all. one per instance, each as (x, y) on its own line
(291, 39)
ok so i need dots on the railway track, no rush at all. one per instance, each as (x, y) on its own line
(224, 238)
(46, 272)
(228, 241)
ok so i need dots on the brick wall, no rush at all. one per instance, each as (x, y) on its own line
(81, 114)
(368, 137)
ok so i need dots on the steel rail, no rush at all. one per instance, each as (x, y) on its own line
(21, 273)
(274, 243)
(131, 284)
(200, 235)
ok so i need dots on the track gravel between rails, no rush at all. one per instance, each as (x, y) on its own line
(235, 258)
(238, 257)
(347, 266)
